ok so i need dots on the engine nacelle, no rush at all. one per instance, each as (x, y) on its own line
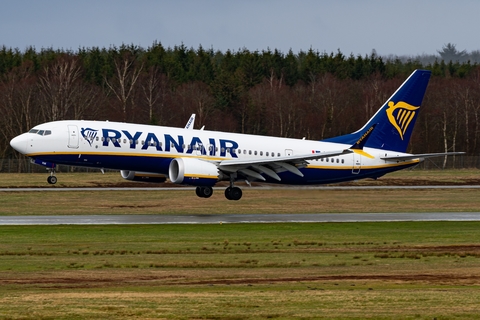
(193, 172)
(142, 176)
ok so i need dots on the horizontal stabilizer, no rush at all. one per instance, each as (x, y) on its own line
(423, 155)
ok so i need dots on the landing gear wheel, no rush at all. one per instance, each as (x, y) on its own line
(233, 193)
(204, 192)
(52, 179)
(227, 193)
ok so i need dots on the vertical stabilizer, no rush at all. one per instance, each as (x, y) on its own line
(396, 118)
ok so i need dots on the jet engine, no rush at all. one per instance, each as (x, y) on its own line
(193, 172)
(142, 176)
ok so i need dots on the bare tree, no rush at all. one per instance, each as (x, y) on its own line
(57, 84)
(154, 87)
(193, 97)
(124, 81)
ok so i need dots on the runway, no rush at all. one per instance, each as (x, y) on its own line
(235, 218)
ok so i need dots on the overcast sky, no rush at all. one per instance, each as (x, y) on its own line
(401, 27)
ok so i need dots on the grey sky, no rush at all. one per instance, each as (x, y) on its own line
(406, 27)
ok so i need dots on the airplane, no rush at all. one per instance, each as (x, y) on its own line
(202, 158)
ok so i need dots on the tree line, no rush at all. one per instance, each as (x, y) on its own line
(307, 94)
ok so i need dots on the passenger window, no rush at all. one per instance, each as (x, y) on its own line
(278, 154)
(228, 150)
(255, 153)
(338, 160)
(261, 153)
(267, 154)
(223, 150)
(343, 160)
(96, 138)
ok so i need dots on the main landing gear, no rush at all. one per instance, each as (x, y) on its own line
(231, 193)
(204, 192)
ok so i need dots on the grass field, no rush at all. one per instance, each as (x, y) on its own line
(399, 270)
(263, 200)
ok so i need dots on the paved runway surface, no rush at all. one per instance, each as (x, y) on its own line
(236, 218)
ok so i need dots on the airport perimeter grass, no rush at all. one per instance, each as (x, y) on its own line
(401, 270)
(263, 200)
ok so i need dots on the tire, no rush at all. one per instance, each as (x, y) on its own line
(52, 179)
(227, 193)
(207, 192)
(236, 193)
(204, 192)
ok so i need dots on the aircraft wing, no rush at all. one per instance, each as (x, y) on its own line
(422, 155)
(270, 167)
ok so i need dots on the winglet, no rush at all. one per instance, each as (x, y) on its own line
(190, 122)
(363, 139)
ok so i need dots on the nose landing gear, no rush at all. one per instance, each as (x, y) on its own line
(51, 178)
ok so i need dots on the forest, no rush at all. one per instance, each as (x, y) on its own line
(306, 94)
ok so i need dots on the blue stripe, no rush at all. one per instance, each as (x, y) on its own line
(161, 164)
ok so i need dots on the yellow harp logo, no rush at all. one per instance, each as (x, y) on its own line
(402, 118)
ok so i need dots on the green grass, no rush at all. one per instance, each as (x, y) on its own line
(254, 201)
(184, 201)
(402, 270)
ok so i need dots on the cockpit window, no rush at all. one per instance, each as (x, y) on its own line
(41, 132)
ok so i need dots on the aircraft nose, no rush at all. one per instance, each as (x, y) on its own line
(19, 143)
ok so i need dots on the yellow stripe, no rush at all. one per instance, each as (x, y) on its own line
(408, 122)
(400, 115)
(363, 153)
(202, 176)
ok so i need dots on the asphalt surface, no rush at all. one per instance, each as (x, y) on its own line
(236, 218)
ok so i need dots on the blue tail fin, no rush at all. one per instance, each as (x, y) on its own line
(396, 118)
